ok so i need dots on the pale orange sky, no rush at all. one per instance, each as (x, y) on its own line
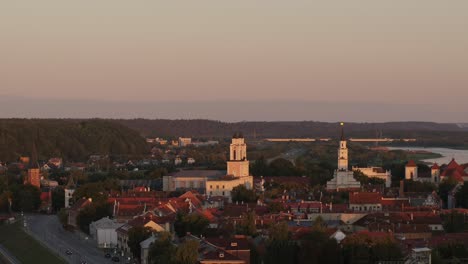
(398, 51)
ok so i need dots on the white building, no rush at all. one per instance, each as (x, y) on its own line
(183, 142)
(343, 178)
(69, 190)
(377, 172)
(104, 232)
(216, 183)
(412, 173)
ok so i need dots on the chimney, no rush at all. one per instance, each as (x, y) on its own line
(402, 189)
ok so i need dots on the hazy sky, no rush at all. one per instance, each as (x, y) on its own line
(395, 52)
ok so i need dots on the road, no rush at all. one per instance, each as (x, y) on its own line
(48, 230)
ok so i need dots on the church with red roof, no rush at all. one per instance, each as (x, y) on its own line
(438, 173)
(456, 171)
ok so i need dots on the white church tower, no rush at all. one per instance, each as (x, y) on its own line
(238, 165)
(343, 153)
(343, 178)
(69, 190)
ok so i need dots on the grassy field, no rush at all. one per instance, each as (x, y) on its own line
(25, 248)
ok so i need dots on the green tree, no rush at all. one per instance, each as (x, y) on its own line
(5, 199)
(280, 249)
(319, 224)
(241, 194)
(283, 167)
(279, 232)
(58, 198)
(462, 196)
(454, 222)
(317, 247)
(247, 226)
(360, 248)
(162, 250)
(96, 190)
(445, 187)
(452, 252)
(260, 167)
(365, 180)
(26, 198)
(275, 207)
(136, 235)
(186, 253)
(91, 213)
(193, 223)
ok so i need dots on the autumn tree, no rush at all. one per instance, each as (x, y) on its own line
(186, 253)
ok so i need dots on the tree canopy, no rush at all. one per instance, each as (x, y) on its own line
(241, 194)
(136, 235)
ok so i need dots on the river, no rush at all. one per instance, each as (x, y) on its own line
(460, 155)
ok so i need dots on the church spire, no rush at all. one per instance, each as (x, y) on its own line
(342, 132)
(33, 164)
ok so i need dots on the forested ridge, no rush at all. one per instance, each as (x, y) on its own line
(212, 128)
(73, 140)
(426, 133)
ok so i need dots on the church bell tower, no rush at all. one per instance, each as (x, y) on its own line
(238, 165)
(343, 152)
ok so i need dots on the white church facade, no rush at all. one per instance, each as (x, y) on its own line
(213, 182)
(343, 178)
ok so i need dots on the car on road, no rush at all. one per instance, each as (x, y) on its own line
(108, 255)
(68, 252)
(116, 259)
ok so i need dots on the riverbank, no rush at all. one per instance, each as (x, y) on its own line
(445, 155)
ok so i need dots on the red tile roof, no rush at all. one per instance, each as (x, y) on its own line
(455, 171)
(411, 163)
(365, 198)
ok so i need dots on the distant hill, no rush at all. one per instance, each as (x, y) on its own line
(209, 128)
(426, 133)
(74, 140)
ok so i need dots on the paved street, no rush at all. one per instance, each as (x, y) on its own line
(48, 230)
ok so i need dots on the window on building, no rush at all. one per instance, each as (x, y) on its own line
(223, 193)
(223, 186)
(211, 186)
(217, 187)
